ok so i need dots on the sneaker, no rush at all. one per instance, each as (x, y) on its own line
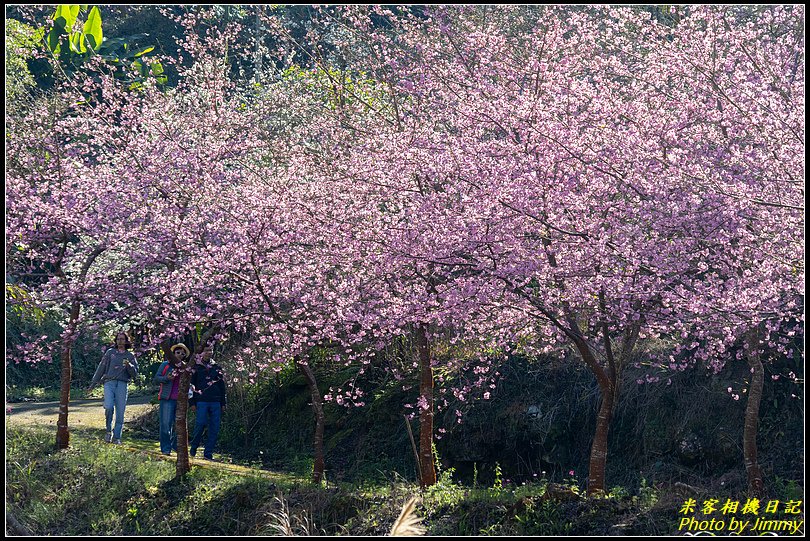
(193, 451)
(117, 442)
(108, 438)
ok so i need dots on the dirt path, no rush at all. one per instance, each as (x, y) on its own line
(87, 413)
(87, 417)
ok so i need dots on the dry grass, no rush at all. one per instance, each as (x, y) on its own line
(282, 522)
(408, 523)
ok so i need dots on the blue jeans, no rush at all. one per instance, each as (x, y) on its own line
(115, 397)
(210, 414)
(168, 437)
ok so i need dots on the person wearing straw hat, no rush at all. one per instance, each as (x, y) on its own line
(167, 376)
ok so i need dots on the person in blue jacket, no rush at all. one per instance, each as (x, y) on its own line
(208, 384)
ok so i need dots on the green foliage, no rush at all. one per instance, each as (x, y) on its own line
(21, 42)
(22, 319)
(445, 493)
(98, 489)
(647, 495)
(544, 518)
(497, 485)
(19, 301)
(787, 489)
(62, 32)
(26, 379)
(302, 465)
(92, 29)
(71, 48)
(339, 88)
(527, 427)
(572, 484)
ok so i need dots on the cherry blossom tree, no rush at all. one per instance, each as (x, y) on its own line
(68, 213)
(81, 166)
(568, 168)
(560, 179)
(743, 146)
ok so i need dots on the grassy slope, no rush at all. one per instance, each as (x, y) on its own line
(95, 488)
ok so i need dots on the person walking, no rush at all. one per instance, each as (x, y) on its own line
(117, 367)
(167, 376)
(208, 401)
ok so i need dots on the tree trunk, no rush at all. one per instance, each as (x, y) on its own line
(608, 389)
(181, 414)
(598, 460)
(317, 408)
(181, 424)
(756, 485)
(183, 465)
(425, 409)
(62, 430)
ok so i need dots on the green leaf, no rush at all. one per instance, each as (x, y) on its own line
(143, 51)
(92, 29)
(72, 43)
(65, 16)
(157, 68)
(142, 68)
(77, 43)
(111, 57)
(53, 40)
(111, 43)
